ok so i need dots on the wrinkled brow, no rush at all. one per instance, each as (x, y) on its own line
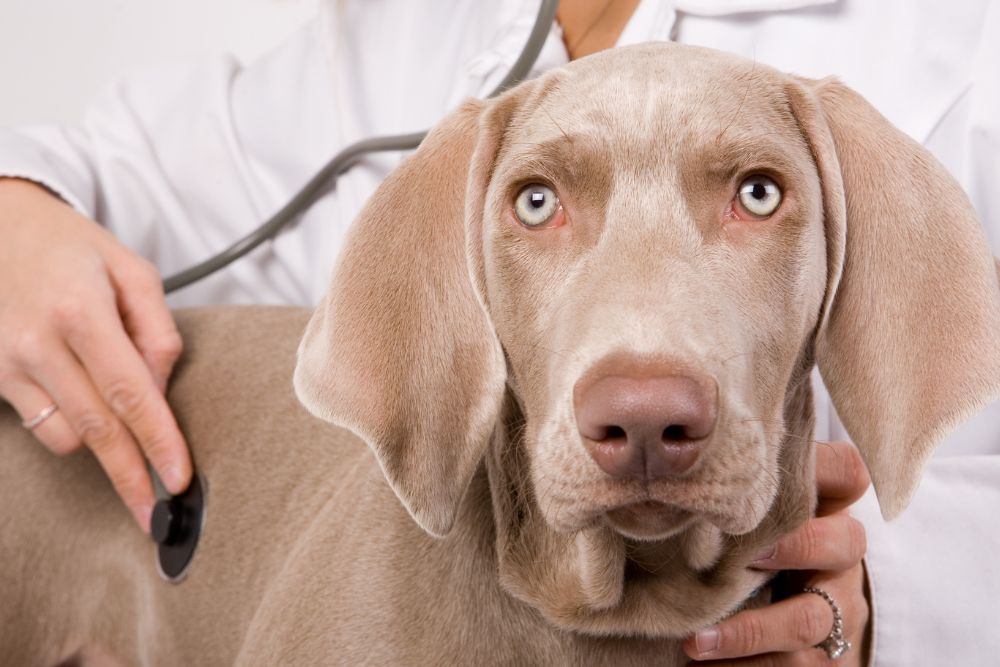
(723, 160)
(579, 161)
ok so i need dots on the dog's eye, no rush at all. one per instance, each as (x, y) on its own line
(536, 205)
(759, 195)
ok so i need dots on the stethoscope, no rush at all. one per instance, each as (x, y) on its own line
(177, 521)
(348, 157)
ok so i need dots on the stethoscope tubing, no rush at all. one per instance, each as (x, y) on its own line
(326, 177)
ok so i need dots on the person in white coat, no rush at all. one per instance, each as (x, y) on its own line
(176, 163)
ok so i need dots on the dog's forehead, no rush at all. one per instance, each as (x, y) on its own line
(666, 93)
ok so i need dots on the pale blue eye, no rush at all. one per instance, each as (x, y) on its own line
(535, 205)
(760, 195)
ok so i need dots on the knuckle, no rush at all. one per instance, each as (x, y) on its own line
(98, 430)
(147, 270)
(71, 312)
(157, 449)
(168, 344)
(855, 471)
(125, 400)
(28, 347)
(143, 277)
(809, 543)
(128, 482)
(857, 539)
(812, 624)
(747, 637)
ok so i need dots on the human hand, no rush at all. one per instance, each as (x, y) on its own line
(831, 546)
(84, 326)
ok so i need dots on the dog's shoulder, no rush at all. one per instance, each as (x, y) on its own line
(233, 399)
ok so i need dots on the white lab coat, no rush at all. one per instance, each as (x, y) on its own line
(180, 162)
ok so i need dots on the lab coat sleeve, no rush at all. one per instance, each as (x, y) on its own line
(118, 165)
(178, 162)
(54, 157)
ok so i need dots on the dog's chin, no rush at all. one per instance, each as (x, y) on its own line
(648, 521)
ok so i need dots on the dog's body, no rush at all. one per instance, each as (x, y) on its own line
(307, 557)
(601, 415)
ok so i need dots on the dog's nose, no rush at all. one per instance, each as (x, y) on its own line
(645, 427)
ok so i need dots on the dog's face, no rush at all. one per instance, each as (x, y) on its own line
(652, 322)
(620, 275)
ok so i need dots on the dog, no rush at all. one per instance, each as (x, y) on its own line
(566, 356)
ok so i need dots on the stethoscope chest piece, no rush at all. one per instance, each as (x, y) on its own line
(175, 527)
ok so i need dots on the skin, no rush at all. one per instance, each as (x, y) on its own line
(84, 325)
(830, 547)
(103, 352)
(590, 26)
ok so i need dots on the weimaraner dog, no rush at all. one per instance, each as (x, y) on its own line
(566, 352)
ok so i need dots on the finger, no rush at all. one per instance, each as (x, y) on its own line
(807, 658)
(841, 476)
(29, 400)
(834, 542)
(146, 317)
(127, 387)
(795, 624)
(71, 389)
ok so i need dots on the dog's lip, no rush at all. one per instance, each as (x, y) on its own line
(646, 509)
(648, 519)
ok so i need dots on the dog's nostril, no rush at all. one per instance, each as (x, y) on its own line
(615, 433)
(645, 427)
(675, 432)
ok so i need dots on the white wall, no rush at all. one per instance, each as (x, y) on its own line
(55, 54)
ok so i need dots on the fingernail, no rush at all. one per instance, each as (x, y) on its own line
(765, 554)
(707, 641)
(173, 478)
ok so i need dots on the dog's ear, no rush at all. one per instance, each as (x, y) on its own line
(401, 349)
(909, 336)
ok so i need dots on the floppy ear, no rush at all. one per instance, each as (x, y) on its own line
(909, 337)
(401, 350)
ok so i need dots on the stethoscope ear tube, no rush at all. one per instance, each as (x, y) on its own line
(345, 159)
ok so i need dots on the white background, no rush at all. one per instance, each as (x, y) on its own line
(56, 54)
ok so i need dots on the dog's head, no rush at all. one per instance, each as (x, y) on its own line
(620, 275)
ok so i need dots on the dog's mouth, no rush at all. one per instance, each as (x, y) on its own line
(574, 495)
(648, 520)
(647, 514)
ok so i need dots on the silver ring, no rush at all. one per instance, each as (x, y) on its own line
(44, 414)
(835, 645)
